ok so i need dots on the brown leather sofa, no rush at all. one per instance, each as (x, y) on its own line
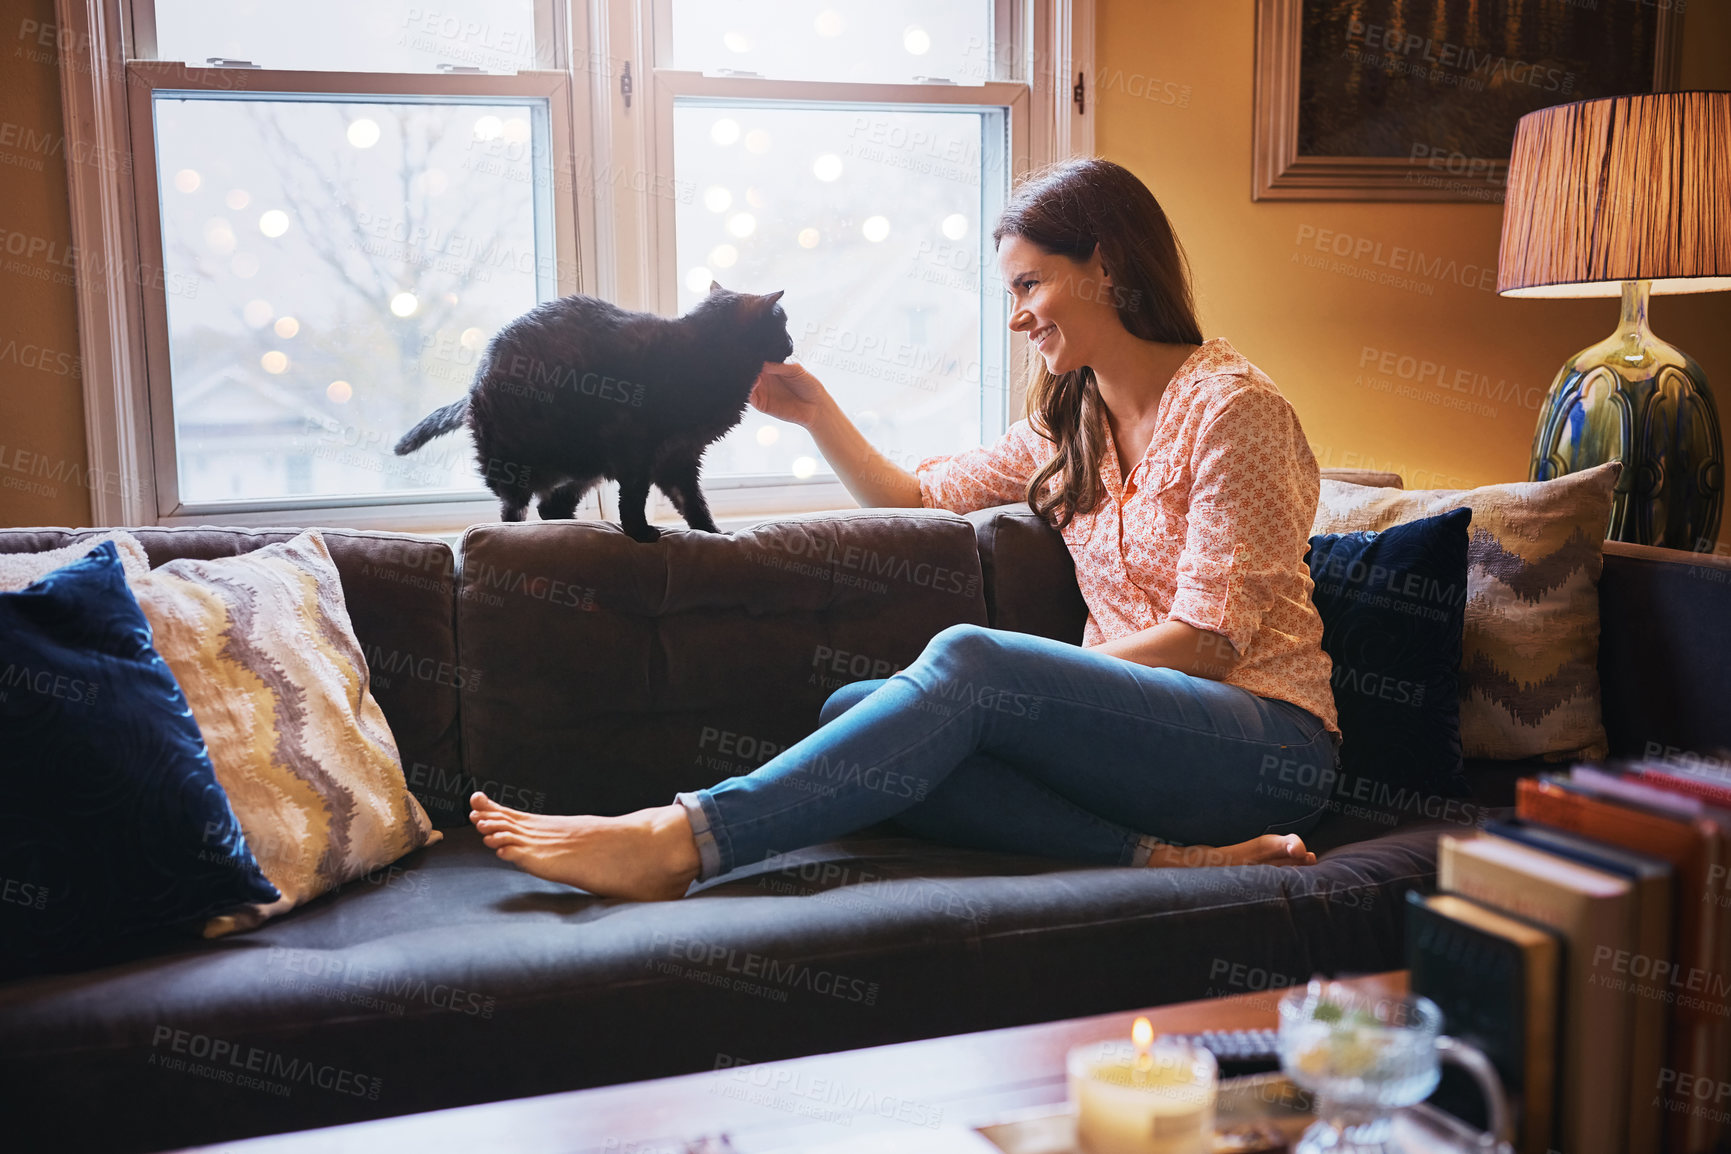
(564, 667)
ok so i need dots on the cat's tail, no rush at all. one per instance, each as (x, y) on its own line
(436, 424)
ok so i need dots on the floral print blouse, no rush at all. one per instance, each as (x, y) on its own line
(1210, 527)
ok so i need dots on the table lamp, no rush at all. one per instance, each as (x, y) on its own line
(1629, 195)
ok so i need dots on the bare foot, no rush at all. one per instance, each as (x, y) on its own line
(1269, 849)
(649, 855)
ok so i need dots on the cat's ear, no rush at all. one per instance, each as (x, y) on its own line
(715, 287)
(773, 297)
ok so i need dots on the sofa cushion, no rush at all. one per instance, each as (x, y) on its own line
(453, 978)
(1392, 604)
(1529, 671)
(111, 818)
(400, 590)
(20, 569)
(605, 675)
(1029, 575)
(263, 649)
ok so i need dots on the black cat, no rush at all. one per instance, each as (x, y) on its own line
(577, 390)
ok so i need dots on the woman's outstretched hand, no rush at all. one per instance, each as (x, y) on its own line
(788, 392)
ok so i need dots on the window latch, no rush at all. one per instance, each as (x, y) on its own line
(1079, 94)
(222, 62)
(625, 84)
(462, 69)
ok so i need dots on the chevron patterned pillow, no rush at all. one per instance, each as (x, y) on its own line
(1530, 651)
(263, 647)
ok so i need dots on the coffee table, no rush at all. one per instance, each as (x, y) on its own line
(885, 1097)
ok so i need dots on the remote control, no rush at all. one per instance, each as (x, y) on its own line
(1238, 1052)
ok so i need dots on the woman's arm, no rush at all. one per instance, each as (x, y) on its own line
(790, 393)
(1175, 645)
(976, 478)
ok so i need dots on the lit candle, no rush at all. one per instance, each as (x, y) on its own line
(1145, 1098)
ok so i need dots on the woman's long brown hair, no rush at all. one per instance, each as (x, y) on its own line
(1067, 210)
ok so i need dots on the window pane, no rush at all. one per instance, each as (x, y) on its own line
(869, 219)
(352, 35)
(332, 268)
(873, 41)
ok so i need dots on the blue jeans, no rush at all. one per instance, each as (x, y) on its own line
(1005, 741)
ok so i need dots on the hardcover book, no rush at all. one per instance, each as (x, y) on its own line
(1496, 979)
(1682, 832)
(1633, 974)
(1594, 911)
(1709, 787)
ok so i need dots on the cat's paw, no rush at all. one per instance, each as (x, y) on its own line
(648, 534)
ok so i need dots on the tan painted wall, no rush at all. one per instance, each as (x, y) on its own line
(1321, 333)
(42, 459)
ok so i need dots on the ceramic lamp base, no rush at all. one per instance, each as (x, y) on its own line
(1636, 399)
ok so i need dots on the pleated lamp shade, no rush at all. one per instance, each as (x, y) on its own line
(1628, 188)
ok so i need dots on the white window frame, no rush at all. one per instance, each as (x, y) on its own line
(612, 242)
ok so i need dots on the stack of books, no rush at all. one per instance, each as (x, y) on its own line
(1585, 946)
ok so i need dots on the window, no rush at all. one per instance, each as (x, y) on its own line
(867, 213)
(334, 205)
(351, 258)
(341, 219)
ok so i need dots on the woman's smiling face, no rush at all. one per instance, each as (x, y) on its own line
(1063, 305)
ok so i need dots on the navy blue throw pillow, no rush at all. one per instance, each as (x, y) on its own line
(112, 821)
(1393, 604)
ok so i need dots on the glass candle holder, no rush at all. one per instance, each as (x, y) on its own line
(1157, 1099)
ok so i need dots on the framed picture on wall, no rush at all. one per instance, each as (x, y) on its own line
(1418, 99)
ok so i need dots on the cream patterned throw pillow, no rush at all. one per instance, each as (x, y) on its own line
(21, 570)
(263, 649)
(1530, 649)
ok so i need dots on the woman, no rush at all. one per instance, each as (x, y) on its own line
(1184, 489)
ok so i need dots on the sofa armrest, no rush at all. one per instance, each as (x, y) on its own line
(1375, 478)
(1665, 651)
(1030, 581)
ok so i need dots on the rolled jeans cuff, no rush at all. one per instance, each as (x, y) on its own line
(1143, 849)
(703, 830)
